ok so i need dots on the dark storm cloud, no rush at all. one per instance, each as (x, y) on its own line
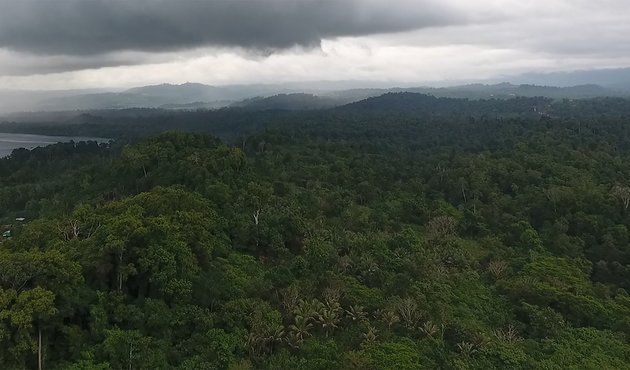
(90, 27)
(16, 64)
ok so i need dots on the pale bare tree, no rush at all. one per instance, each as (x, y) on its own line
(256, 221)
(463, 185)
(290, 299)
(441, 171)
(623, 194)
(408, 311)
(256, 217)
(331, 296)
(344, 264)
(508, 335)
(553, 195)
(442, 227)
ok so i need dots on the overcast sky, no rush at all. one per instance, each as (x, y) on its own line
(61, 44)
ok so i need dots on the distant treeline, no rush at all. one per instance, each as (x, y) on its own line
(231, 124)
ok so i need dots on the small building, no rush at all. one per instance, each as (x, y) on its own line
(20, 219)
(6, 234)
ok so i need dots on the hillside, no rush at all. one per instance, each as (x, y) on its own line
(235, 123)
(350, 238)
(298, 101)
(280, 96)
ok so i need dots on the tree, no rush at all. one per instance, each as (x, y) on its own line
(30, 309)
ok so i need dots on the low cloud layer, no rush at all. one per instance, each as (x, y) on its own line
(120, 43)
(87, 27)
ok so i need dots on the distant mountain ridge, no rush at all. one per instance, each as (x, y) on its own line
(296, 101)
(611, 78)
(419, 103)
(497, 91)
(193, 96)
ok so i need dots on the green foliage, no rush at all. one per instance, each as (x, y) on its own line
(394, 355)
(584, 348)
(426, 233)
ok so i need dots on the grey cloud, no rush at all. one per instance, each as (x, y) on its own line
(18, 64)
(93, 27)
(559, 29)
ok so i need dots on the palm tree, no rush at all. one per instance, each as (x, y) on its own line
(308, 310)
(254, 344)
(334, 306)
(274, 335)
(429, 328)
(301, 327)
(390, 318)
(467, 349)
(328, 319)
(264, 340)
(497, 268)
(356, 313)
(370, 335)
(294, 340)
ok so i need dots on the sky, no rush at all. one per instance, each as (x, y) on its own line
(74, 44)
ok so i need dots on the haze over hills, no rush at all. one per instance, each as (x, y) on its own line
(154, 96)
(616, 79)
(314, 95)
(235, 122)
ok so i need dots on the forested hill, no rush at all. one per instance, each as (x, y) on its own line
(281, 112)
(355, 238)
(289, 102)
(405, 102)
(421, 104)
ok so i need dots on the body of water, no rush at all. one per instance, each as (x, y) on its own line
(8, 142)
